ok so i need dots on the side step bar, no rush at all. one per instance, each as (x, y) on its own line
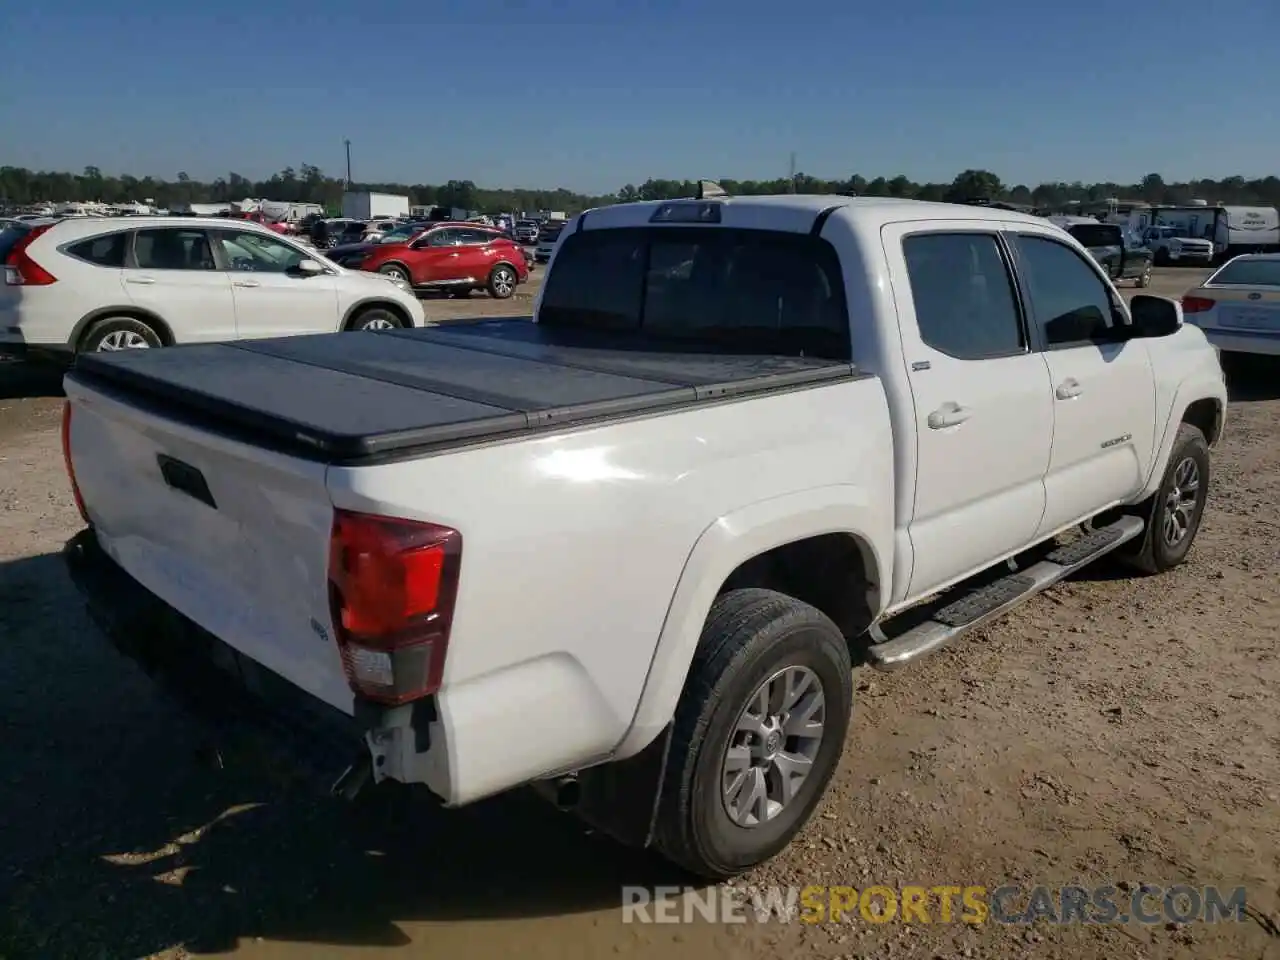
(983, 605)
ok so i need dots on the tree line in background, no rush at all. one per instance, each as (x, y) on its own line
(310, 184)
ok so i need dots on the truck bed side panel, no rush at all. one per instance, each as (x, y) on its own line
(574, 543)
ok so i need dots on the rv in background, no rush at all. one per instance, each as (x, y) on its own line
(1233, 230)
(1134, 214)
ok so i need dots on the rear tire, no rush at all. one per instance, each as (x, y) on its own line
(399, 274)
(722, 745)
(1174, 514)
(502, 281)
(375, 318)
(119, 333)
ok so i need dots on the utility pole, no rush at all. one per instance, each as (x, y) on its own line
(347, 144)
(791, 177)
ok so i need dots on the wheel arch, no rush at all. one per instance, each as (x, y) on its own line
(360, 306)
(766, 544)
(131, 311)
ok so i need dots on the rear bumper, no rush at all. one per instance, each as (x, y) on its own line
(210, 678)
(1262, 342)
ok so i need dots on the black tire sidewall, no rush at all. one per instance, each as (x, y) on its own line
(497, 271)
(103, 328)
(808, 642)
(1190, 443)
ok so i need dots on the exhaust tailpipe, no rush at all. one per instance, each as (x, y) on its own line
(568, 792)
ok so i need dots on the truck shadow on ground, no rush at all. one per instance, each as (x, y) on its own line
(1251, 378)
(20, 380)
(119, 841)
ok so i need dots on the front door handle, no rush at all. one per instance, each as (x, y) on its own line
(142, 280)
(245, 283)
(950, 414)
(1068, 389)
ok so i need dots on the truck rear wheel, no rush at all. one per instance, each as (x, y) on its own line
(757, 735)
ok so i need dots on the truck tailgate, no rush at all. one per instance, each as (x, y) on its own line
(233, 537)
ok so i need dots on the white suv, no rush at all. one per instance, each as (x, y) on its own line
(111, 284)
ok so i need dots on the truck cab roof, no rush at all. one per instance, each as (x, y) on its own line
(797, 212)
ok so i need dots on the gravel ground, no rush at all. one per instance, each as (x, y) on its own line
(1115, 730)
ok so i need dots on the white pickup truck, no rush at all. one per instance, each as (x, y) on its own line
(630, 551)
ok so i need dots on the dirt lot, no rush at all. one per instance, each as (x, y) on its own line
(1114, 730)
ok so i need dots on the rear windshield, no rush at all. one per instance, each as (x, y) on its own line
(1253, 273)
(1101, 235)
(750, 291)
(9, 236)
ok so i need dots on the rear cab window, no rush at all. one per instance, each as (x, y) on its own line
(745, 291)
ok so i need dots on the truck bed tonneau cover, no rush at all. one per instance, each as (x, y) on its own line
(349, 397)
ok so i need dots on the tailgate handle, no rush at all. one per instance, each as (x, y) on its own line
(185, 478)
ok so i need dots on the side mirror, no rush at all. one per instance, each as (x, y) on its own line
(308, 268)
(1154, 316)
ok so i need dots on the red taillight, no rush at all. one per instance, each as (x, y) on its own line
(66, 460)
(392, 586)
(20, 270)
(1196, 304)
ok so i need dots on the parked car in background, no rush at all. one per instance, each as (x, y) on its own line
(548, 234)
(526, 231)
(1171, 244)
(83, 285)
(453, 258)
(1121, 254)
(351, 255)
(1238, 306)
(375, 230)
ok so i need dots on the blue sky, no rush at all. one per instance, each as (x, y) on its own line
(592, 94)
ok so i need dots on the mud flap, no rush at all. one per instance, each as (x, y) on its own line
(620, 799)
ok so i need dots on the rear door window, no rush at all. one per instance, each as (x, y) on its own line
(173, 249)
(747, 290)
(963, 294)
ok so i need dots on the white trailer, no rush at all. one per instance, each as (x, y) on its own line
(1233, 230)
(363, 205)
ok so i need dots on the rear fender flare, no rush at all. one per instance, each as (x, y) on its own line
(725, 544)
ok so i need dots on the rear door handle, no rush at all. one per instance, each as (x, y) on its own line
(143, 280)
(1068, 389)
(245, 283)
(950, 414)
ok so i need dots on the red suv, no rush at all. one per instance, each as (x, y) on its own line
(455, 258)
